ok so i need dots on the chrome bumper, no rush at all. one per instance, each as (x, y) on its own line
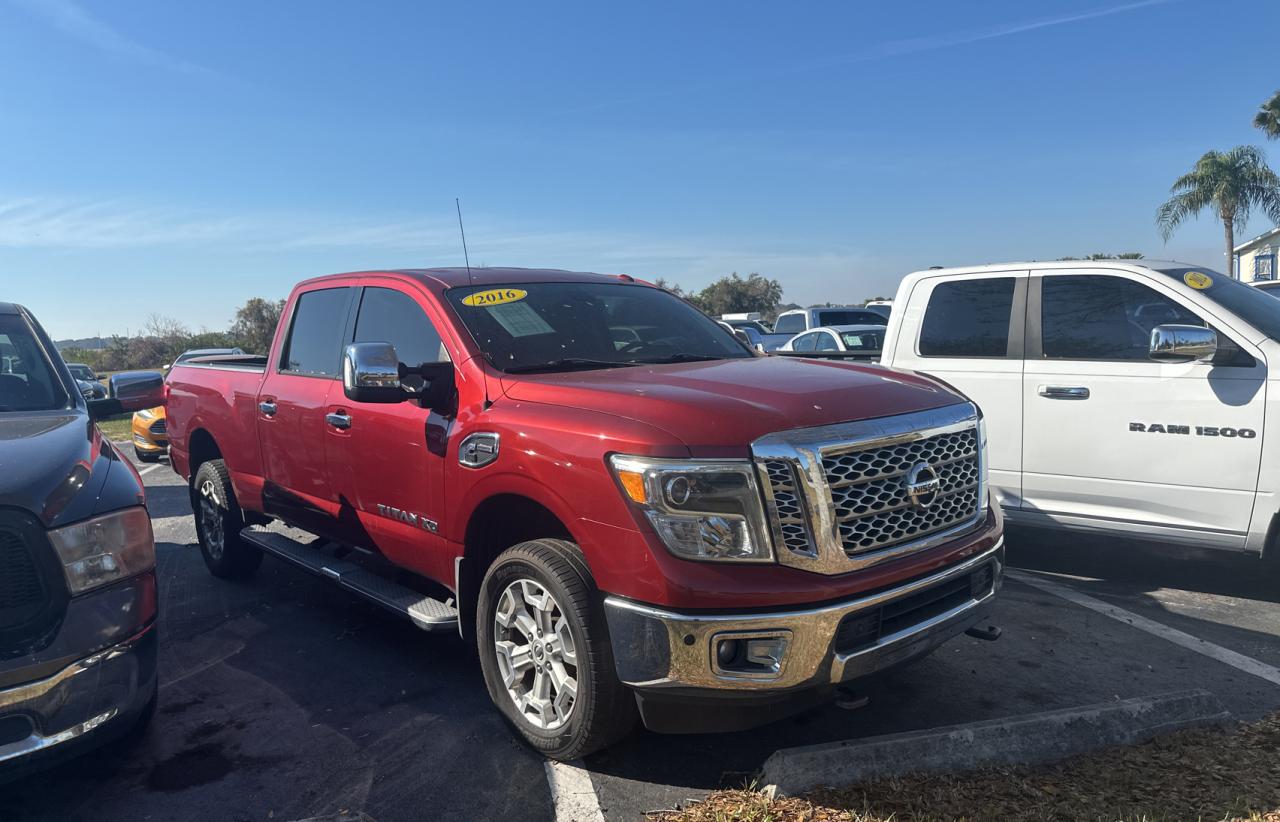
(83, 696)
(660, 649)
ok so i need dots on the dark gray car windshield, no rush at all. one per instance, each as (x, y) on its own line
(1260, 310)
(544, 327)
(27, 380)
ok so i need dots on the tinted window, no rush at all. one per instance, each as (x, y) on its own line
(789, 324)
(845, 316)
(968, 318)
(390, 316)
(826, 342)
(1103, 317)
(27, 381)
(530, 327)
(805, 342)
(81, 372)
(315, 339)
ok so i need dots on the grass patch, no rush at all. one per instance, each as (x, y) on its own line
(1227, 773)
(118, 428)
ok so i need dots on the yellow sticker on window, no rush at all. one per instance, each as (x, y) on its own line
(495, 296)
(1197, 280)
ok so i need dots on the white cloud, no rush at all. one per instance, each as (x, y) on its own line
(72, 20)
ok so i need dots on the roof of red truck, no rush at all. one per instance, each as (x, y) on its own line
(453, 277)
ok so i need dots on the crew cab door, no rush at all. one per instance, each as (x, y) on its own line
(291, 409)
(1132, 444)
(968, 331)
(387, 459)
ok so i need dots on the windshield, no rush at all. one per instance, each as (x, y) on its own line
(861, 340)
(27, 381)
(1260, 310)
(81, 372)
(531, 327)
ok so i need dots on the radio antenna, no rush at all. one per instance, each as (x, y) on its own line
(463, 232)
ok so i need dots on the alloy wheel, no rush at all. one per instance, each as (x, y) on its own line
(536, 654)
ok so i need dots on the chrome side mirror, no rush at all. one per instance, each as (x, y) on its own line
(1183, 343)
(371, 373)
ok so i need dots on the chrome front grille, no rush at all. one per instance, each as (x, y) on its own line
(788, 510)
(869, 493)
(838, 497)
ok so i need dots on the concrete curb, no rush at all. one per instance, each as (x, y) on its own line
(1017, 740)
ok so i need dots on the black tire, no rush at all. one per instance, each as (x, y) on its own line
(603, 710)
(219, 521)
(145, 456)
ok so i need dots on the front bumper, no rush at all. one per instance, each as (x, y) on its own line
(658, 651)
(91, 684)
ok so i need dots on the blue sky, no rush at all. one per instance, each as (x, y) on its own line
(180, 158)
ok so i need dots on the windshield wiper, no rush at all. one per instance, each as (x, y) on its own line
(567, 364)
(681, 357)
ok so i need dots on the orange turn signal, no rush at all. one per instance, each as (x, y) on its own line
(633, 484)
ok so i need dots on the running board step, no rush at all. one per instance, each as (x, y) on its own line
(427, 613)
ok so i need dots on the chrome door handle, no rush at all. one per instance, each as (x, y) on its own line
(338, 420)
(1064, 392)
(268, 408)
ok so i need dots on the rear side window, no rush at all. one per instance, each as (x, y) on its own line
(315, 337)
(387, 315)
(805, 343)
(1103, 317)
(789, 324)
(850, 317)
(968, 318)
(826, 342)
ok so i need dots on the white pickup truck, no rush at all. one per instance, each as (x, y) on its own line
(1123, 397)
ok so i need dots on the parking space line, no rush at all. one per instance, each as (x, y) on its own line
(573, 794)
(148, 469)
(1192, 643)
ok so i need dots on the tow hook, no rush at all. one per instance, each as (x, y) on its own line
(989, 634)
(849, 699)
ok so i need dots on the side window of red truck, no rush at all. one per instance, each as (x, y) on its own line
(387, 315)
(314, 346)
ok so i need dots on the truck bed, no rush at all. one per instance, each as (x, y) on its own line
(240, 362)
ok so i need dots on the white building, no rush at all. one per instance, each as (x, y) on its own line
(1256, 258)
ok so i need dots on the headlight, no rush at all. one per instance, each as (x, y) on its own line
(104, 549)
(146, 413)
(701, 510)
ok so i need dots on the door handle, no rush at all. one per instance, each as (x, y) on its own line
(1064, 392)
(338, 420)
(268, 408)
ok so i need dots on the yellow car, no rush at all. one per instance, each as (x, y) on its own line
(150, 435)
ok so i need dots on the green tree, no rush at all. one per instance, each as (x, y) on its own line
(255, 324)
(1232, 184)
(735, 293)
(1268, 117)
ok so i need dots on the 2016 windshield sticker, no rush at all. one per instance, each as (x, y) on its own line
(495, 296)
(1197, 280)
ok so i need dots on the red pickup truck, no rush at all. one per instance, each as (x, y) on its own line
(626, 509)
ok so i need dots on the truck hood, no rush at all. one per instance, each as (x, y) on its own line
(718, 408)
(56, 466)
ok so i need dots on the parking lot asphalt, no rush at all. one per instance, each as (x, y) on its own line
(285, 698)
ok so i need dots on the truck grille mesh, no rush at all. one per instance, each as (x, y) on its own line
(20, 587)
(869, 495)
(786, 499)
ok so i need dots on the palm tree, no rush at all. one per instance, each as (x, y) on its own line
(1268, 117)
(1232, 184)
